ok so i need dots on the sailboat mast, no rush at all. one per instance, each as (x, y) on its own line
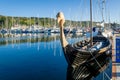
(55, 21)
(38, 20)
(109, 20)
(103, 4)
(91, 22)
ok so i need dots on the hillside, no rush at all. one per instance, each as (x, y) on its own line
(8, 22)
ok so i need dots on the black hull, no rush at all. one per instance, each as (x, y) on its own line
(85, 64)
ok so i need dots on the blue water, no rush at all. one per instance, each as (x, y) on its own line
(35, 58)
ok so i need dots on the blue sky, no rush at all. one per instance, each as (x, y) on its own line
(73, 9)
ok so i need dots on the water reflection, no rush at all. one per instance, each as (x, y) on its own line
(6, 39)
(35, 53)
(40, 41)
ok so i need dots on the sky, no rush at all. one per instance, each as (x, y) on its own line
(73, 9)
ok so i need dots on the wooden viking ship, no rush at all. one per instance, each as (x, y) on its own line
(84, 61)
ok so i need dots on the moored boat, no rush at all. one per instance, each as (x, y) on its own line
(85, 61)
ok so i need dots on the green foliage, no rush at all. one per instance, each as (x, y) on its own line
(8, 22)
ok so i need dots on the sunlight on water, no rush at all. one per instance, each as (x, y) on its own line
(35, 57)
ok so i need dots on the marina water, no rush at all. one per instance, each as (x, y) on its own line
(36, 57)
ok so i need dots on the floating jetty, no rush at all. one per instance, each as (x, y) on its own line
(115, 64)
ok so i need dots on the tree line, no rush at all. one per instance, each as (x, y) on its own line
(8, 22)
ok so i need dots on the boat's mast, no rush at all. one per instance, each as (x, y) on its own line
(55, 21)
(103, 21)
(38, 20)
(44, 23)
(109, 20)
(91, 22)
(103, 10)
(30, 22)
(12, 21)
(6, 23)
(34, 21)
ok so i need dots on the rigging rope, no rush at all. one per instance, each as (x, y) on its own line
(100, 66)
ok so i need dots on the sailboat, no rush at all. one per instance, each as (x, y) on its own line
(4, 30)
(87, 58)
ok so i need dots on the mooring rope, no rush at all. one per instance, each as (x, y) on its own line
(100, 66)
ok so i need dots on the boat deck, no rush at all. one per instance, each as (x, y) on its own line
(115, 66)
